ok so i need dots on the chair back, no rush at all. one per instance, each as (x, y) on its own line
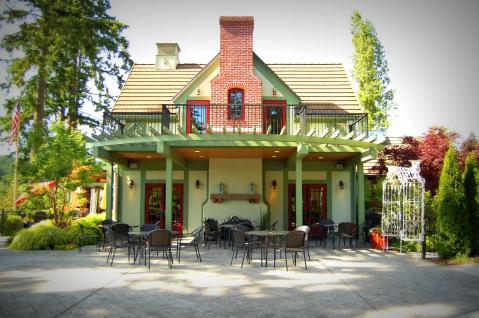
(147, 227)
(239, 238)
(306, 229)
(121, 228)
(158, 225)
(196, 230)
(243, 228)
(197, 235)
(326, 222)
(347, 228)
(211, 225)
(108, 222)
(160, 238)
(295, 239)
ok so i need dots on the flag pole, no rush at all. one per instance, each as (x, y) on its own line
(17, 156)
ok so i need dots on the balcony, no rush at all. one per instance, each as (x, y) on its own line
(268, 119)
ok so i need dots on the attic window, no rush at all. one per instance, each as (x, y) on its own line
(235, 103)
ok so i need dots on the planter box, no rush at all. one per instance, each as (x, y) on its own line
(378, 241)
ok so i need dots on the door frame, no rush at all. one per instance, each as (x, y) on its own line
(192, 103)
(177, 187)
(271, 103)
(306, 193)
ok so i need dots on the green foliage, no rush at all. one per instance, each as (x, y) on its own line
(370, 71)
(41, 236)
(13, 224)
(6, 177)
(472, 203)
(63, 161)
(454, 229)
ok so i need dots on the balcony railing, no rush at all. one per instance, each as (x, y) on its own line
(311, 120)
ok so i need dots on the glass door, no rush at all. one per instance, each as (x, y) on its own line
(315, 204)
(155, 204)
(274, 115)
(197, 118)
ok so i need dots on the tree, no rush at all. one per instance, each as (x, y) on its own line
(471, 193)
(60, 165)
(61, 56)
(370, 71)
(432, 148)
(470, 144)
(454, 229)
(397, 155)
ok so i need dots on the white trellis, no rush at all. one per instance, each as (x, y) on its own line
(403, 204)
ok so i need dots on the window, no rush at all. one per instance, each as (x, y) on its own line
(235, 103)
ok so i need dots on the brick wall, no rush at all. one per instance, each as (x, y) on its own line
(236, 71)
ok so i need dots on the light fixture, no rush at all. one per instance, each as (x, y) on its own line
(274, 91)
(198, 91)
(341, 185)
(129, 182)
(252, 188)
(222, 188)
(276, 151)
(197, 151)
(274, 184)
(148, 157)
(274, 156)
(197, 184)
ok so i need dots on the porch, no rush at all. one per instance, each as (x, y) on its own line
(272, 118)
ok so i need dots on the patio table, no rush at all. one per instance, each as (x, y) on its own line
(266, 236)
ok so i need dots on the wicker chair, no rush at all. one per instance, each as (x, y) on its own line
(239, 243)
(85, 237)
(212, 232)
(118, 238)
(294, 244)
(191, 239)
(348, 230)
(306, 230)
(160, 241)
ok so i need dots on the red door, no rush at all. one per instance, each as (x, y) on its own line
(197, 115)
(274, 115)
(155, 204)
(315, 204)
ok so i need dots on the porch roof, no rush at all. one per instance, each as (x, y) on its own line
(122, 148)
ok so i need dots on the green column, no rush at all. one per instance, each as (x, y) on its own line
(169, 194)
(299, 191)
(109, 190)
(361, 209)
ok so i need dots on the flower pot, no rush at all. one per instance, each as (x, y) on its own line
(378, 241)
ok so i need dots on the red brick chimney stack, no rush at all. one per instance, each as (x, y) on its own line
(236, 61)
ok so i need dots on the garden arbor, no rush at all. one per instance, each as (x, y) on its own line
(403, 204)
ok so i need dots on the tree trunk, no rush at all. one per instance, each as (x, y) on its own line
(39, 111)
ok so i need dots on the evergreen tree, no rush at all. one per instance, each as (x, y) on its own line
(370, 71)
(471, 193)
(454, 229)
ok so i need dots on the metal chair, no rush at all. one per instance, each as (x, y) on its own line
(239, 243)
(192, 239)
(117, 238)
(212, 232)
(84, 237)
(306, 229)
(294, 244)
(160, 241)
(347, 230)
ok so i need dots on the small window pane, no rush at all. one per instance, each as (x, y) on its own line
(236, 104)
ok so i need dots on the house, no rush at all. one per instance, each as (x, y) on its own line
(235, 137)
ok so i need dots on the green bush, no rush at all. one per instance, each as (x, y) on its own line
(13, 224)
(41, 236)
(90, 223)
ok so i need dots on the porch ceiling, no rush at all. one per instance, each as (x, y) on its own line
(134, 155)
(244, 152)
(329, 156)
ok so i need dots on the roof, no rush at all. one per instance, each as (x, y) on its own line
(147, 88)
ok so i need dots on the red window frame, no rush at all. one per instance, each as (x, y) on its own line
(232, 90)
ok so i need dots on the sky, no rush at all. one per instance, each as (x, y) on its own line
(431, 46)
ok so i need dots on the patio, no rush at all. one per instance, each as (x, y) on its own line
(344, 282)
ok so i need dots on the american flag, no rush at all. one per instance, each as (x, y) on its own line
(15, 124)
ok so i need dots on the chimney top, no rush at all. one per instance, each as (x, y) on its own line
(226, 19)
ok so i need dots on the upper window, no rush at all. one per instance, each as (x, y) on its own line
(235, 103)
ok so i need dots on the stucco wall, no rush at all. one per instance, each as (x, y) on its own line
(196, 197)
(275, 197)
(341, 199)
(236, 175)
(130, 206)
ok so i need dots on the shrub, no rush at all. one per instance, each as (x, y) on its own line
(453, 222)
(90, 223)
(41, 236)
(13, 224)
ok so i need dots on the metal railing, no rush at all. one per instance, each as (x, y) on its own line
(201, 118)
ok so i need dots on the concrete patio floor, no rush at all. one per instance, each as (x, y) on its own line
(344, 282)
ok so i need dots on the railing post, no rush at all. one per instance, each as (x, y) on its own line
(302, 120)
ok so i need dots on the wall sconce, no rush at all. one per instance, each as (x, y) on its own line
(222, 188)
(252, 188)
(274, 184)
(129, 182)
(341, 185)
(274, 91)
(197, 184)
(198, 91)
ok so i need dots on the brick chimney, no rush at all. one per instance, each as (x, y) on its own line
(236, 61)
